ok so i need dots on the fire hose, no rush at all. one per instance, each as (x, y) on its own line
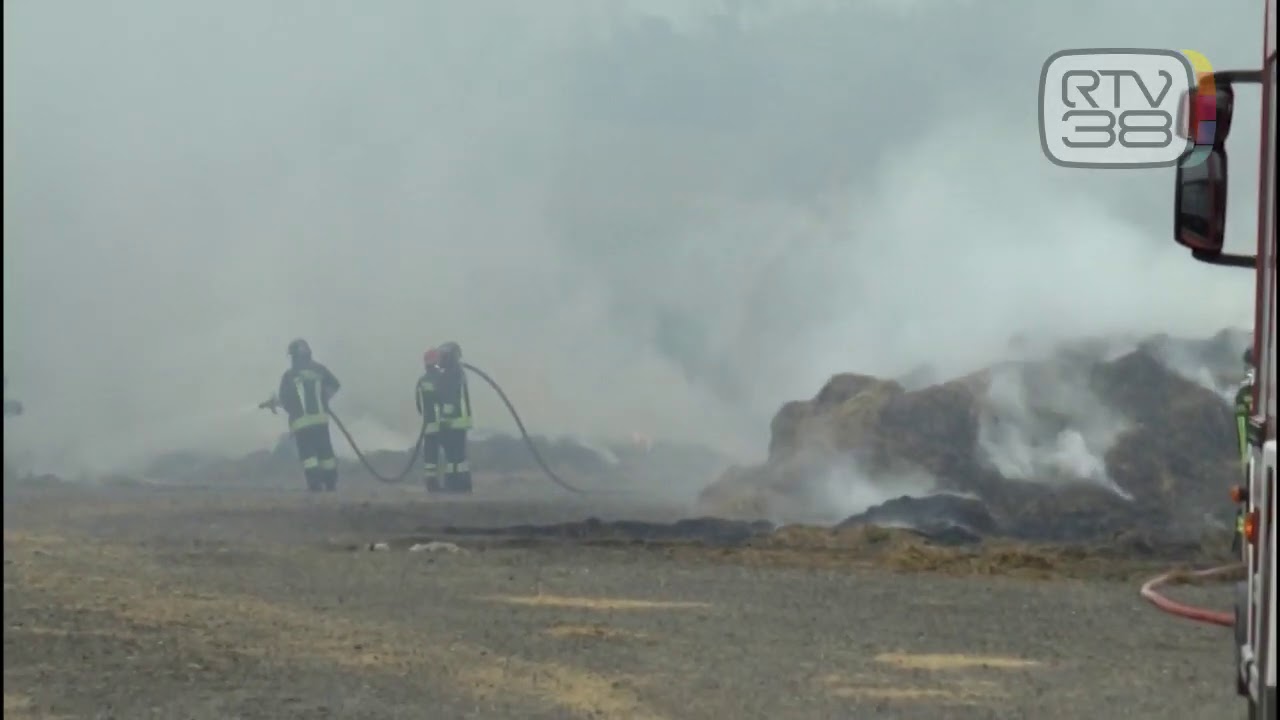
(408, 467)
(1190, 612)
(417, 448)
(528, 441)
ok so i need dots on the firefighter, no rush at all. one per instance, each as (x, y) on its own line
(1243, 410)
(305, 390)
(454, 402)
(428, 408)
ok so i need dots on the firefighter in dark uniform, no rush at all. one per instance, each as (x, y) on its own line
(305, 390)
(1243, 410)
(454, 402)
(429, 409)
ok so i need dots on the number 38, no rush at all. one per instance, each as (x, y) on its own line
(1120, 128)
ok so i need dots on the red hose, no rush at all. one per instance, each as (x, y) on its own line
(1189, 612)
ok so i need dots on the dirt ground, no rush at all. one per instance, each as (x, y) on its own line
(135, 603)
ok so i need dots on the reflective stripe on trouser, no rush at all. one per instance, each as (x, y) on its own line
(315, 450)
(457, 476)
(454, 444)
(430, 456)
(315, 463)
(306, 421)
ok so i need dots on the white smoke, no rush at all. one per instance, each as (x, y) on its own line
(1217, 369)
(600, 448)
(846, 489)
(372, 434)
(1044, 423)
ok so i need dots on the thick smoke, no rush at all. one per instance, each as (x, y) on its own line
(664, 220)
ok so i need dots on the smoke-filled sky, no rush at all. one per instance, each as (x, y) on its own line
(667, 217)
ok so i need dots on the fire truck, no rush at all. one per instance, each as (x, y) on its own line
(1200, 200)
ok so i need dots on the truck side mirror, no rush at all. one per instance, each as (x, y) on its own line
(1205, 114)
(1200, 202)
(1200, 194)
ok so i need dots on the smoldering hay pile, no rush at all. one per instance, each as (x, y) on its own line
(1080, 441)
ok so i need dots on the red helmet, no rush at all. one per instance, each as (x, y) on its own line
(431, 357)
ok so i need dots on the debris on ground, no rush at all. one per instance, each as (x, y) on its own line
(435, 547)
(955, 551)
(705, 530)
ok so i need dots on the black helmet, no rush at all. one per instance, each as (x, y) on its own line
(299, 349)
(450, 352)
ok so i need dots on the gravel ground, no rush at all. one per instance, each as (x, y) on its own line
(171, 604)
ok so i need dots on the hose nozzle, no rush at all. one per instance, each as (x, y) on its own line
(272, 403)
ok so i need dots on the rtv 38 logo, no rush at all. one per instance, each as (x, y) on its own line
(1117, 108)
